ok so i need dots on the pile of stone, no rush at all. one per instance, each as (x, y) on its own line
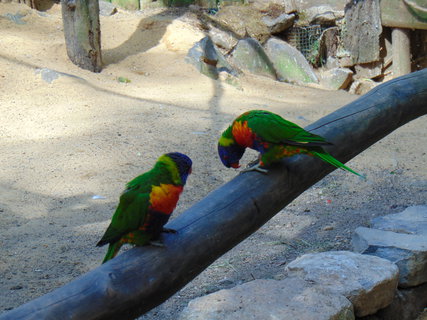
(254, 39)
(386, 279)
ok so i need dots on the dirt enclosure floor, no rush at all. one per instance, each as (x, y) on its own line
(69, 146)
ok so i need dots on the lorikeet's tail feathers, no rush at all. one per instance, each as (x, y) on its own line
(330, 159)
(112, 251)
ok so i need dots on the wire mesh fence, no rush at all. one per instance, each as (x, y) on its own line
(306, 39)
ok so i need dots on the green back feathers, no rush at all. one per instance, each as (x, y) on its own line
(273, 128)
(274, 137)
(145, 194)
(134, 201)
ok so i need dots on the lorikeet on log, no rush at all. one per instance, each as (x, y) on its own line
(274, 137)
(147, 203)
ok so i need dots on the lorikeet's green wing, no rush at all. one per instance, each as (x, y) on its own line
(273, 128)
(129, 216)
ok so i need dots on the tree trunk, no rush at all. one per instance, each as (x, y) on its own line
(82, 33)
(144, 277)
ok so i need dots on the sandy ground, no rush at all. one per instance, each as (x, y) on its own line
(64, 142)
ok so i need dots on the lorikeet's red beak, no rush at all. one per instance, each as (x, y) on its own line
(235, 165)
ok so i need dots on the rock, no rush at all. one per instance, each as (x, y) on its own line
(367, 236)
(280, 23)
(337, 78)
(271, 6)
(322, 14)
(362, 86)
(49, 75)
(243, 21)
(222, 39)
(331, 63)
(17, 17)
(208, 60)
(219, 33)
(290, 298)
(249, 56)
(180, 36)
(289, 63)
(106, 8)
(368, 70)
(413, 220)
(402, 239)
(406, 305)
(363, 30)
(304, 4)
(345, 60)
(369, 284)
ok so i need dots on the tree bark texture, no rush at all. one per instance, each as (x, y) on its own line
(144, 277)
(82, 33)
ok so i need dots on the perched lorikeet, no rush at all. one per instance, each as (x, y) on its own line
(147, 203)
(274, 137)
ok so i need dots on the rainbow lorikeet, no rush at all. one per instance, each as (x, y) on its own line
(274, 137)
(147, 203)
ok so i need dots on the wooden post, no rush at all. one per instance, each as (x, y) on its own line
(142, 278)
(82, 33)
(400, 41)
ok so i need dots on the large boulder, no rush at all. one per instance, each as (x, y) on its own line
(249, 56)
(208, 60)
(322, 14)
(290, 64)
(290, 298)
(368, 282)
(242, 21)
(271, 6)
(223, 39)
(280, 23)
(336, 78)
(258, 20)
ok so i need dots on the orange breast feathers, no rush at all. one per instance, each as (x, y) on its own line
(243, 134)
(164, 198)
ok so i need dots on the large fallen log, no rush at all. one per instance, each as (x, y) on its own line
(142, 278)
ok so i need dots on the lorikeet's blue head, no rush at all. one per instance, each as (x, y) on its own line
(183, 164)
(231, 154)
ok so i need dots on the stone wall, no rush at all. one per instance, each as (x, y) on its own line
(384, 279)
